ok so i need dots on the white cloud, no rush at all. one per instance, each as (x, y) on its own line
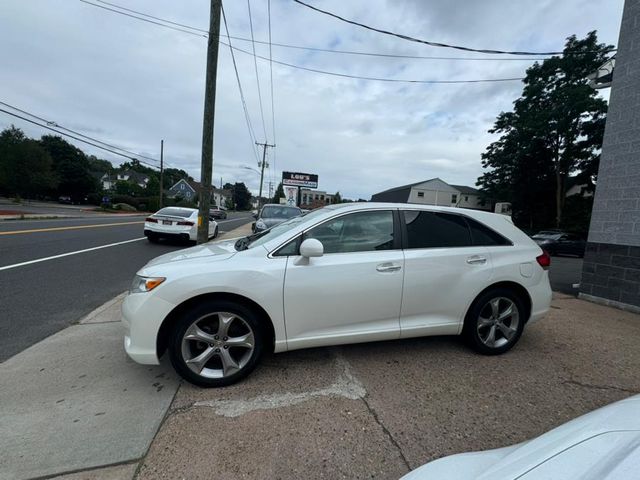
(132, 83)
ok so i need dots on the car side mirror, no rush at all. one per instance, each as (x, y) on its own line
(311, 247)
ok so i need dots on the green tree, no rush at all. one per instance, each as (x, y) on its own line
(99, 165)
(279, 194)
(554, 130)
(337, 198)
(25, 167)
(71, 167)
(241, 196)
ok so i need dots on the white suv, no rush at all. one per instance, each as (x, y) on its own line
(341, 274)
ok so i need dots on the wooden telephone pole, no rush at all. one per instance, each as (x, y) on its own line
(161, 170)
(262, 165)
(206, 169)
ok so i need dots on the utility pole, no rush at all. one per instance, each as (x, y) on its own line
(161, 170)
(270, 189)
(262, 165)
(206, 168)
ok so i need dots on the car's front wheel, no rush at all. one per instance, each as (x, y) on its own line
(216, 343)
(495, 321)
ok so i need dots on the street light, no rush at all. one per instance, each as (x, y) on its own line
(256, 171)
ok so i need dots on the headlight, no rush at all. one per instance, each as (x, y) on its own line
(145, 284)
(261, 225)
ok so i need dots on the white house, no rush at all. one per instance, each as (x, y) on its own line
(434, 192)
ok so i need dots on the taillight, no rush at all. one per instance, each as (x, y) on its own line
(151, 220)
(186, 224)
(544, 260)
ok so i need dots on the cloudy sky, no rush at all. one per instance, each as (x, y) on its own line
(131, 83)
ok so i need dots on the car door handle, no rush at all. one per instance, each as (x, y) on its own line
(476, 260)
(388, 267)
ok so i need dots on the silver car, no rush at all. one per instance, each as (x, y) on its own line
(273, 214)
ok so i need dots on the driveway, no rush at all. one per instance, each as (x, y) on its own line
(377, 410)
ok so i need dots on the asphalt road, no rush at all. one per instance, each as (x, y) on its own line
(38, 299)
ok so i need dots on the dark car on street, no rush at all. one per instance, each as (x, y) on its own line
(272, 214)
(560, 243)
(218, 213)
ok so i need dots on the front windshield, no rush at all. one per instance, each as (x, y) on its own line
(279, 212)
(278, 230)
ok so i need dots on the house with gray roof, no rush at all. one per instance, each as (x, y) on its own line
(434, 192)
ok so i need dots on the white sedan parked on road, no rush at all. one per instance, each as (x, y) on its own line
(342, 274)
(176, 222)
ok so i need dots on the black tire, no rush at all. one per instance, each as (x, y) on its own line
(215, 233)
(153, 238)
(473, 332)
(202, 314)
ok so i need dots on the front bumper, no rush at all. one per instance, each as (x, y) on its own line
(142, 316)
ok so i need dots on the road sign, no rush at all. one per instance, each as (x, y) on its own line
(297, 179)
(291, 196)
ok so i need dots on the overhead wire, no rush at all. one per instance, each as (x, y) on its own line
(337, 74)
(302, 47)
(56, 125)
(426, 42)
(76, 138)
(273, 111)
(255, 63)
(242, 99)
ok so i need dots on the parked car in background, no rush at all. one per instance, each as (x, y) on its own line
(218, 213)
(603, 444)
(65, 199)
(560, 243)
(345, 273)
(273, 214)
(176, 222)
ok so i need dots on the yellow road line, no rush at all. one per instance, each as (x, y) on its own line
(76, 227)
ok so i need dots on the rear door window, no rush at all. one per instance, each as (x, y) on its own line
(435, 229)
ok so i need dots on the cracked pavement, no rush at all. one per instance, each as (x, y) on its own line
(377, 410)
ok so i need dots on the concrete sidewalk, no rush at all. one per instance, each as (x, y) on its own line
(75, 402)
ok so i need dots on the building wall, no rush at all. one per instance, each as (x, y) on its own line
(469, 200)
(433, 192)
(611, 269)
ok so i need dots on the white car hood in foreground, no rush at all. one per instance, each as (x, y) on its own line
(222, 250)
(603, 445)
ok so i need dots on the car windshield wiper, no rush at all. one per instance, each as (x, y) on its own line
(244, 242)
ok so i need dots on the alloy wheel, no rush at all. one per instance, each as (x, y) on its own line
(498, 322)
(218, 345)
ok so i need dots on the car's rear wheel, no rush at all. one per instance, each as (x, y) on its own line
(215, 233)
(153, 238)
(216, 343)
(495, 321)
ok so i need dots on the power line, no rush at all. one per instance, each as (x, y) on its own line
(325, 72)
(244, 103)
(273, 111)
(74, 137)
(143, 19)
(425, 42)
(301, 47)
(378, 79)
(56, 125)
(255, 63)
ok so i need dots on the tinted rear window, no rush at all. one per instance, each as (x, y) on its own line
(175, 212)
(280, 212)
(484, 236)
(435, 229)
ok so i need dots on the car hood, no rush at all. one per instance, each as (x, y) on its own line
(607, 441)
(215, 250)
(272, 222)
